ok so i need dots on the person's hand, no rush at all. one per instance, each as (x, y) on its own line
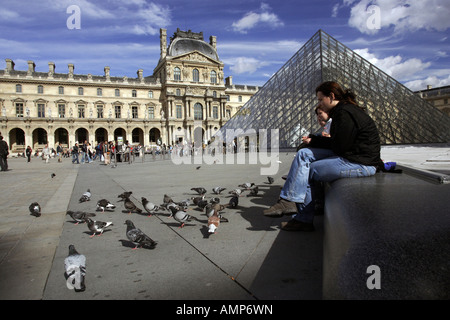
(324, 134)
(306, 140)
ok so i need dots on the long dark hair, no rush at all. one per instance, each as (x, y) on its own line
(345, 96)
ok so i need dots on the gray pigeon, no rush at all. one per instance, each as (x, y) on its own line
(182, 217)
(218, 190)
(253, 191)
(151, 208)
(75, 270)
(97, 226)
(139, 238)
(35, 209)
(105, 204)
(130, 206)
(234, 201)
(200, 190)
(236, 192)
(86, 196)
(80, 216)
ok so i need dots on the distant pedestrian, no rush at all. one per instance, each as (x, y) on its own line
(4, 151)
(46, 153)
(75, 152)
(59, 152)
(28, 152)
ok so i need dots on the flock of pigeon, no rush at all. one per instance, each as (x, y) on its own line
(75, 263)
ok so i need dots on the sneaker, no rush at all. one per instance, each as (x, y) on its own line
(280, 208)
(295, 225)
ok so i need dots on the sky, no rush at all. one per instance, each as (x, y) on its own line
(407, 39)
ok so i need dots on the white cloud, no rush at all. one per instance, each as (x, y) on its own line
(395, 66)
(242, 65)
(403, 15)
(252, 19)
(435, 82)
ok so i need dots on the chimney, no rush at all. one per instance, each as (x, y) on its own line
(213, 42)
(31, 67)
(229, 81)
(71, 68)
(163, 42)
(106, 69)
(140, 74)
(429, 87)
(9, 66)
(51, 69)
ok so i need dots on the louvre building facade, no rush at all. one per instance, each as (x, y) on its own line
(186, 91)
(287, 101)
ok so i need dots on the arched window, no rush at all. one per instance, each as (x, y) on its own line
(195, 75)
(198, 111)
(213, 77)
(177, 74)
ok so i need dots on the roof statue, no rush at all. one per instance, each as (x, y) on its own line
(286, 102)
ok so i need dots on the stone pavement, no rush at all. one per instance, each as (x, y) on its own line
(248, 259)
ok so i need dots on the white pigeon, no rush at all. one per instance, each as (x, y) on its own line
(75, 270)
(236, 192)
(105, 204)
(246, 185)
(86, 196)
(97, 226)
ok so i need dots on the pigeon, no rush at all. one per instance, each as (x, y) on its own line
(198, 167)
(182, 217)
(184, 203)
(105, 204)
(253, 191)
(86, 196)
(234, 201)
(200, 190)
(202, 204)
(167, 199)
(210, 209)
(53, 175)
(218, 190)
(214, 200)
(80, 216)
(35, 209)
(125, 195)
(271, 180)
(97, 226)
(213, 222)
(130, 206)
(196, 200)
(149, 207)
(246, 185)
(75, 270)
(138, 237)
(236, 192)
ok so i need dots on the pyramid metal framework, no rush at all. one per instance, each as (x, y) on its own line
(287, 101)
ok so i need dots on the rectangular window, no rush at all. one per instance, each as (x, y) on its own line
(151, 112)
(100, 111)
(117, 93)
(215, 112)
(80, 91)
(81, 111)
(179, 113)
(134, 93)
(99, 92)
(61, 90)
(62, 110)
(134, 112)
(40, 89)
(117, 111)
(41, 110)
(19, 110)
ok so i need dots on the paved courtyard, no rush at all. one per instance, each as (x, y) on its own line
(249, 258)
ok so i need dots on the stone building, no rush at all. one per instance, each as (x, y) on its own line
(438, 97)
(186, 95)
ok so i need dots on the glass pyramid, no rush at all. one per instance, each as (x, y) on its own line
(287, 101)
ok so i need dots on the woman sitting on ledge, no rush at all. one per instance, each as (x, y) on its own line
(352, 151)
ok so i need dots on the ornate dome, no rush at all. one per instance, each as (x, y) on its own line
(184, 42)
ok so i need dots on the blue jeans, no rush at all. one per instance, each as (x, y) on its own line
(75, 158)
(311, 165)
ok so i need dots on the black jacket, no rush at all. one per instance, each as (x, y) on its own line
(354, 136)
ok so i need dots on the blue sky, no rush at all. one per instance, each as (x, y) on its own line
(408, 39)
